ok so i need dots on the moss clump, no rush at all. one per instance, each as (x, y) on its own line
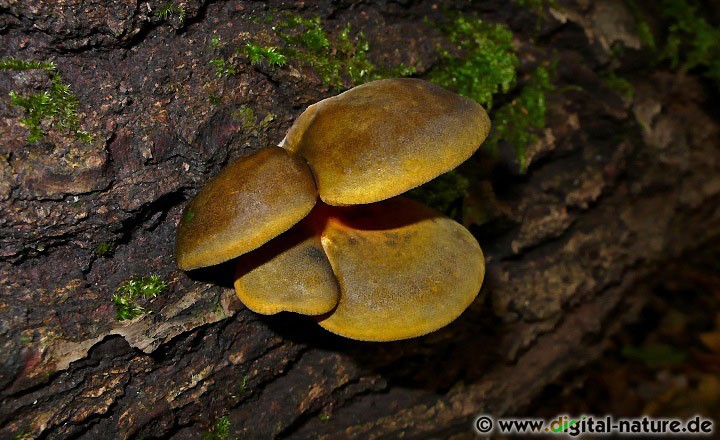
(485, 62)
(219, 431)
(23, 435)
(214, 99)
(692, 42)
(222, 67)
(519, 121)
(686, 41)
(216, 43)
(485, 66)
(13, 63)
(304, 32)
(55, 107)
(169, 10)
(260, 54)
(243, 384)
(334, 59)
(622, 85)
(249, 121)
(645, 34)
(340, 60)
(256, 54)
(135, 288)
(103, 249)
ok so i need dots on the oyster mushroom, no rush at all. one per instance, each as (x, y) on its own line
(386, 269)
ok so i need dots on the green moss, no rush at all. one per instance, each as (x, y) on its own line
(103, 249)
(519, 121)
(55, 107)
(324, 416)
(256, 54)
(169, 10)
(340, 60)
(219, 431)
(214, 99)
(305, 32)
(249, 120)
(692, 42)
(189, 215)
(334, 59)
(485, 66)
(260, 54)
(685, 39)
(645, 34)
(243, 384)
(13, 63)
(135, 288)
(485, 62)
(620, 84)
(444, 193)
(246, 115)
(222, 67)
(216, 43)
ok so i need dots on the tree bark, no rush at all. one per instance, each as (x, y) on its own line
(617, 188)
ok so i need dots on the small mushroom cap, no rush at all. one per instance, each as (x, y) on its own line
(404, 270)
(252, 200)
(290, 273)
(382, 138)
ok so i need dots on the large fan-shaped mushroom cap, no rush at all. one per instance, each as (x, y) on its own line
(382, 138)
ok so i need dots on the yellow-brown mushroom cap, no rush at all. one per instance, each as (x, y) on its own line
(252, 200)
(290, 273)
(382, 138)
(404, 270)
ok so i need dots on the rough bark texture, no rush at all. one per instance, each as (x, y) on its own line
(616, 189)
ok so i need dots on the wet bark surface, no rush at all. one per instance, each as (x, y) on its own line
(616, 189)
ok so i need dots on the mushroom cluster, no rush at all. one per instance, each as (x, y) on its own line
(367, 263)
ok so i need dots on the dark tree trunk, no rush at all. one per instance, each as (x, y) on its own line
(617, 189)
